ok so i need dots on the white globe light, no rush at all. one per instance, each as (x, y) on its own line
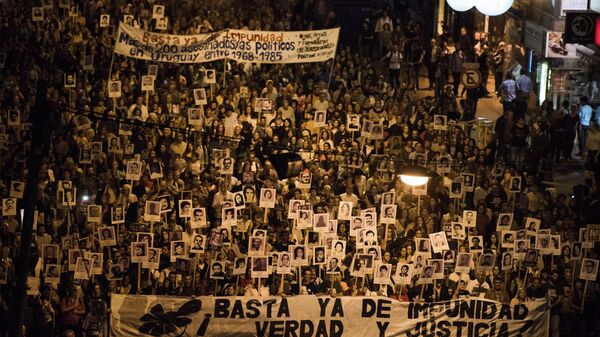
(414, 180)
(461, 5)
(493, 7)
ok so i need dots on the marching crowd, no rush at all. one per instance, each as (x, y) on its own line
(152, 193)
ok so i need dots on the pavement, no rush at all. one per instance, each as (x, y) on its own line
(564, 176)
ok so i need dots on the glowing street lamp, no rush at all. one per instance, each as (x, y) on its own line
(487, 7)
(461, 5)
(414, 175)
(493, 7)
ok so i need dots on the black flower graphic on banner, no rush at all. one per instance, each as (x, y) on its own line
(161, 323)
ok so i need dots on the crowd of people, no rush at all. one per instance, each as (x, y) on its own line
(148, 192)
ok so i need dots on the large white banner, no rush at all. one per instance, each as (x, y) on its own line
(307, 316)
(240, 45)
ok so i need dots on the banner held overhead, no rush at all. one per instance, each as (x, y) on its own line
(239, 45)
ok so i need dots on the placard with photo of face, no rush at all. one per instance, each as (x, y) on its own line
(217, 270)
(463, 263)
(439, 242)
(299, 256)
(486, 262)
(388, 214)
(476, 244)
(382, 273)
(456, 190)
(469, 218)
(256, 245)
(198, 217)
(85, 156)
(134, 170)
(515, 185)
(321, 222)
(507, 261)
(104, 20)
(377, 131)
(345, 210)
(152, 211)
(114, 89)
(304, 180)
(320, 118)
(244, 92)
(50, 253)
(532, 225)
(440, 122)
(504, 222)
(267, 198)
(185, 208)
(37, 14)
(589, 269)
(531, 258)
(198, 243)
(319, 256)
(543, 243)
(508, 239)
(83, 268)
(356, 224)
(178, 250)
(106, 236)
(438, 268)
(294, 207)
(94, 213)
(369, 217)
(404, 273)
(353, 123)
(423, 246)
(16, 189)
(229, 216)
(51, 273)
(468, 182)
(148, 83)
(153, 259)
(426, 276)
(210, 76)
(139, 252)
(97, 260)
(216, 239)
(305, 218)
(158, 11)
(9, 207)
(226, 166)
(284, 264)
(239, 266)
(117, 215)
(259, 266)
(14, 117)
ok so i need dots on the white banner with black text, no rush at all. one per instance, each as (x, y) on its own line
(239, 45)
(308, 316)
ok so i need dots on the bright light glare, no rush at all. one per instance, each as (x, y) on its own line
(461, 5)
(414, 180)
(493, 7)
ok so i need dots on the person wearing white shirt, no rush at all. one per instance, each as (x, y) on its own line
(394, 58)
(143, 110)
(585, 115)
(349, 196)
